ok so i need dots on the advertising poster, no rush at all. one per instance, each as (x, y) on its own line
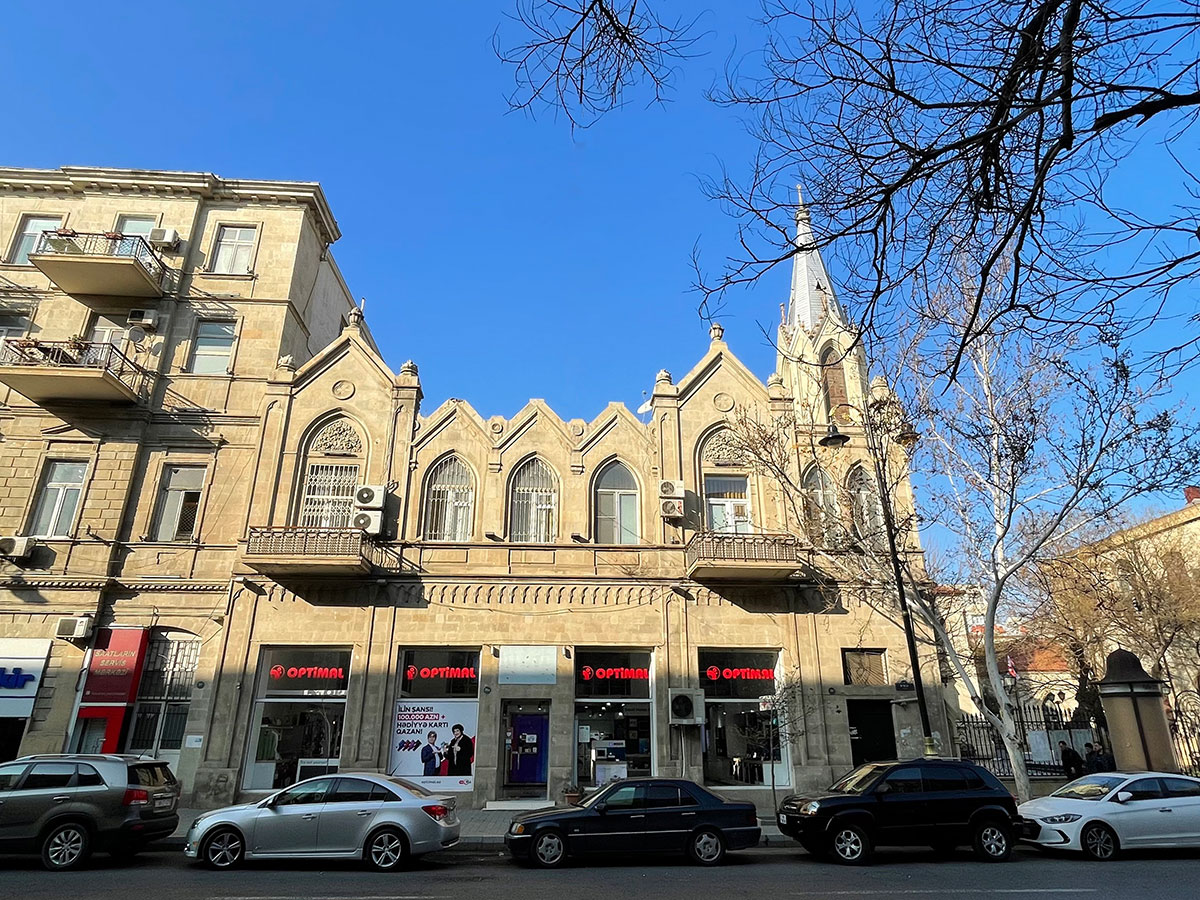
(433, 743)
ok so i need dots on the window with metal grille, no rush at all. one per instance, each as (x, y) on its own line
(616, 506)
(820, 503)
(533, 503)
(449, 501)
(179, 503)
(865, 667)
(164, 694)
(866, 512)
(328, 495)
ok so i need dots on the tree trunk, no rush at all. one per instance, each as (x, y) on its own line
(1016, 755)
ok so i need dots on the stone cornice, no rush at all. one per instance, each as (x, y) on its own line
(80, 584)
(80, 179)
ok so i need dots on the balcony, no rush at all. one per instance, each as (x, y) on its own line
(48, 371)
(717, 556)
(292, 550)
(112, 265)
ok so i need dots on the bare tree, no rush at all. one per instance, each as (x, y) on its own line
(778, 724)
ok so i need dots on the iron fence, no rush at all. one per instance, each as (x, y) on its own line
(1039, 729)
(99, 355)
(712, 545)
(109, 244)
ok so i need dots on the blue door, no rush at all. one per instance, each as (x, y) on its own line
(529, 755)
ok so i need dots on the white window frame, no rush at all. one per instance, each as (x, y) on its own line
(194, 353)
(618, 494)
(742, 524)
(251, 246)
(541, 506)
(22, 231)
(442, 500)
(321, 508)
(61, 488)
(165, 500)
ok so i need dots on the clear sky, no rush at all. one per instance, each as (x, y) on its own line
(508, 257)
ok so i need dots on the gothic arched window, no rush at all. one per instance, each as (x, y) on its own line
(334, 463)
(616, 505)
(820, 504)
(865, 510)
(533, 504)
(449, 501)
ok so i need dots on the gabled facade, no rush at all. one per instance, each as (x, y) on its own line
(584, 599)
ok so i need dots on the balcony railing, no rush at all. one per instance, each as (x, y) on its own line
(99, 356)
(297, 549)
(108, 264)
(111, 244)
(723, 555)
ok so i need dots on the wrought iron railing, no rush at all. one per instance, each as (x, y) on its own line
(99, 355)
(1039, 726)
(111, 244)
(295, 541)
(714, 546)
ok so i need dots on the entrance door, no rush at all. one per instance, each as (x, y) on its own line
(527, 741)
(872, 734)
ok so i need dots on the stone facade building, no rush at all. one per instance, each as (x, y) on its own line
(235, 538)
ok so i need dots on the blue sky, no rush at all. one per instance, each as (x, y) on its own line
(507, 256)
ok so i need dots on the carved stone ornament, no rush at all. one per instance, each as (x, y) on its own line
(723, 447)
(339, 436)
(723, 402)
(343, 389)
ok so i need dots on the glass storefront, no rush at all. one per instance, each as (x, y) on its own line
(299, 710)
(436, 718)
(740, 737)
(614, 729)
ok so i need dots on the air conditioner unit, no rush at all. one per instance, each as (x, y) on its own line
(368, 520)
(687, 707)
(670, 487)
(370, 496)
(16, 547)
(167, 238)
(73, 628)
(670, 509)
(142, 318)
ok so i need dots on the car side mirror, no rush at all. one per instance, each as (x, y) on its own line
(884, 788)
(270, 802)
(1124, 796)
(602, 807)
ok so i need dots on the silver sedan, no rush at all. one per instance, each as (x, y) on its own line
(350, 815)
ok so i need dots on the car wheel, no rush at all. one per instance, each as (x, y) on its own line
(223, 848)
(66, 846)
(993, 841)
(707, 847)
(1099, 842)
(386, 850)
(850, 845)
(549, 848)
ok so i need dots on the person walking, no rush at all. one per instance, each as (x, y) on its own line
(1091, 758)
(1072, 762)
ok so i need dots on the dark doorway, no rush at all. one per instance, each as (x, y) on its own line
(872, 733)
(527, 746)
(11, 732)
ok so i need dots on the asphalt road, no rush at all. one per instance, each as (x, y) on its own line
(770, 874)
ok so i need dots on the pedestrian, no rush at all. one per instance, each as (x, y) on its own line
(1072, 762)
(1091, 758)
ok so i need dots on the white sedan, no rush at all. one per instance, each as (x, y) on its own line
(1105, 813)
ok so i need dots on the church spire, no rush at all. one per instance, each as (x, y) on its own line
(812, 296)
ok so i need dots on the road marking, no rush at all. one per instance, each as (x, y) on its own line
(973, 891)
(334, 897)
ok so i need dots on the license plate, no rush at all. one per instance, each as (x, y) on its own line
(783, 820)
(164, 802)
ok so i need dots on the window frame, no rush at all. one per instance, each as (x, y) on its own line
(728, 503)
(880, 652)
(428, 510)
(19, 232)
(215, 246)
(160, 505)
(43, 484)
(530, 534)
(329, 500)
(194, 345)
(821, 517)
(618, 495)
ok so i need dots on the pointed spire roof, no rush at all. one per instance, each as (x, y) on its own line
(812, 294)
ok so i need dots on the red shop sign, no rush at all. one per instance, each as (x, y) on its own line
(716, 673)
(614, 673)
(443, 672)
(116, 665)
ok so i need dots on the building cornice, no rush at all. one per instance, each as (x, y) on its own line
(91, 179)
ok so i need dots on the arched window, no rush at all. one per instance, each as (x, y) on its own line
(865, 509)
(616, 505)
(833, 385)
(334, 463)
(820, 504)
(449, 501)
(533, 504)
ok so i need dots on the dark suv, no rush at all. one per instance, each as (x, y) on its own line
(939, 803)
(66, 805)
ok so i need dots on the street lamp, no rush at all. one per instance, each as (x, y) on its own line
(906, 437)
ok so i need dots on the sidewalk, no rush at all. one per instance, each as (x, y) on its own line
(482, 829)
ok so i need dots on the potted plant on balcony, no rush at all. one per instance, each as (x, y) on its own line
(77, 342)
(571, 793)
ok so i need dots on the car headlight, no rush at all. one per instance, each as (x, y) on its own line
(1061, 819)
(517, 828)
(810, 808)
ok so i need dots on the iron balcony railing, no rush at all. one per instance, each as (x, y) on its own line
(294, 541)
(99, 355)
(715, 546)
(110, 244)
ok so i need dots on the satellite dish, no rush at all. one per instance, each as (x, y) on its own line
(136, 334)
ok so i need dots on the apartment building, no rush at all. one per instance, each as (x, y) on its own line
(285, 563)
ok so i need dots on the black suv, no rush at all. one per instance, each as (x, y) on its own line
(939, 803)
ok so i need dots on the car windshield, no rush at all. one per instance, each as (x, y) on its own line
(858, 780)
(1090, 787)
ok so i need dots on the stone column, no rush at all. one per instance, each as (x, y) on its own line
(1137, 720)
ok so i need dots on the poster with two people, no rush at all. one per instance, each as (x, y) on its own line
(433, 743)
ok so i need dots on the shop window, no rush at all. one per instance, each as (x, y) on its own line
(740, 738)
(865, 667)
(436, 719)
(614, 726)
(432, 673)
(299, 711)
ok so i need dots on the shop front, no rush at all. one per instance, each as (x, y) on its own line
(22, 663)
(741, 738)
(114, 672)
(614, 720)
(299, 715)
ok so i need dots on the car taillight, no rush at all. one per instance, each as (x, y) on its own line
(437, 811)
(135, 797)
